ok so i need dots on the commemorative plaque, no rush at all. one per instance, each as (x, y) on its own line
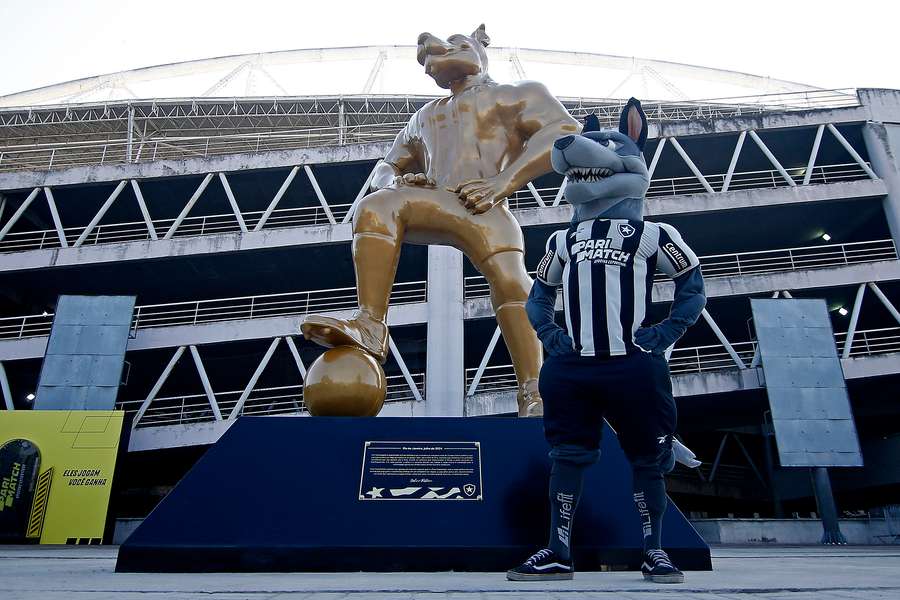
(421, 471)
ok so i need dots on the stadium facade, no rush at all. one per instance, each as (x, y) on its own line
(229, 219)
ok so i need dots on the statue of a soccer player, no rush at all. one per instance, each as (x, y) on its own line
(445, 181)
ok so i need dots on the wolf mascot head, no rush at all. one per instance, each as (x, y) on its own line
(605, 170)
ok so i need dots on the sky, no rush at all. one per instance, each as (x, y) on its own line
(822, 43)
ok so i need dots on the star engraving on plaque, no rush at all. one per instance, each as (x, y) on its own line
(375, 492)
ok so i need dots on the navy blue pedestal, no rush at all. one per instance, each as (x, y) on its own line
(283, 494)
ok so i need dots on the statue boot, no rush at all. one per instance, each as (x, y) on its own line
(362, 330)
(529, 399)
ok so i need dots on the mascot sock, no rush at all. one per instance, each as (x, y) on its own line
(650, 499)
(566, 480)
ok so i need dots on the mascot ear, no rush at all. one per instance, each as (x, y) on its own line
(480, 36)
(591, 123)
(633, 122)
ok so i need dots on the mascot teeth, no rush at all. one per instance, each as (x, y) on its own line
(585, 174)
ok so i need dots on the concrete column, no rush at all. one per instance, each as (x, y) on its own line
(444, 370)
(831, 533)
(883, 145)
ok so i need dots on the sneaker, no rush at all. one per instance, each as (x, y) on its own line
(544, 565)
(658, 568)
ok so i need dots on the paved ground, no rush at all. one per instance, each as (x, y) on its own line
(72, 573)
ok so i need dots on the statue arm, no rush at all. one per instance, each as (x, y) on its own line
(403, 159)
(538, 119)
(541, 122)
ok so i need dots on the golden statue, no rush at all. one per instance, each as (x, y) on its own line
(445, 181)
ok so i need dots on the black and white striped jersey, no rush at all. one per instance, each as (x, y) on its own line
(606, 268)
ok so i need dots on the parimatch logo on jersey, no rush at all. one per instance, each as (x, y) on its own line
(599, 251)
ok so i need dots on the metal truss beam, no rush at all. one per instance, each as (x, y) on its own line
(207, 386)
(771, 157)
(278, 195)
(734, 160)
(884, 300)
(19, 212)
(403, 369)
(4, 388)
(157, 386)
(854, 318)
(54, 214)
(843, 141)
(144, 212)
(722, 339)
(239, 406)
(233, 202)
(691, 165)
(100, 213)
(485, 358)
(813, 154)
(315, 184)
(187, 207)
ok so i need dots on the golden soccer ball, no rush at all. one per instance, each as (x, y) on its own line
(345, 382)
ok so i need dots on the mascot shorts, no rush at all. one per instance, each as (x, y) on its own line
(633, 392)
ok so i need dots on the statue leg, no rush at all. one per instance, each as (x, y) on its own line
(378, 229)
(510, 285)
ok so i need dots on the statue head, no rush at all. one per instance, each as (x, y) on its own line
(605, 169)
(453, 59)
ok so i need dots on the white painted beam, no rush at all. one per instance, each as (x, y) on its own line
(207, 386)
(253, 379)
(100, 213)
(656, 154)
(312, 179)
(840, 138)
(274, 203)
(734, 160)
(854, 318)
(485, 358)
(233, 201)
(811, 164)
(403, 369)
(157, 386)
(362, 194)
(884, 300)
(144, 212)
(4, 387)
(54, 214)
(187, 207)
(296, 354)
(691, 165)
(19, 212)
(772, 159)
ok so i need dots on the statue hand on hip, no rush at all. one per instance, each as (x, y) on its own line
(481, 195)
(414, 179)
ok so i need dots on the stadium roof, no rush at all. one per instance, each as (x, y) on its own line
(379, 70)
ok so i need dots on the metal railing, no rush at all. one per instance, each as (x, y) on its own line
(288, 399)
(871, 341)
(256, 132)
(51, 156)
(111, 233)
(195, 408)
(758, 262)
(701, 359)
(226, 309)
(680, 186)
(793, 259)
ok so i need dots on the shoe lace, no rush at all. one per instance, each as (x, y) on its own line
(539, 555)
(660, 558)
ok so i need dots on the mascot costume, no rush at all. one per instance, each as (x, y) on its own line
(607, 362)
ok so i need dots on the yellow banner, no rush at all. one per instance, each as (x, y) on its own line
(56, 471)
